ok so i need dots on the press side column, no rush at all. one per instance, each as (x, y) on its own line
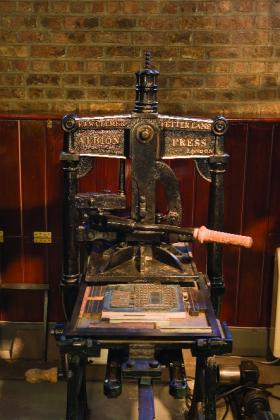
(217, 165)
(71, 272)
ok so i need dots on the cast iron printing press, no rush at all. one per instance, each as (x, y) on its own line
(130, 283)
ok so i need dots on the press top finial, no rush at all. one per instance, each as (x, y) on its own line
(147, 60)
(146, 88)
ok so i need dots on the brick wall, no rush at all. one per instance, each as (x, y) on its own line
(214, 56)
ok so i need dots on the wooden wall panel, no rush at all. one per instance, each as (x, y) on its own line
(33, 186)
(274, 201)
(103, 176)
(22, 305)
(32, 200)
(255, 222)
(273, 233)
(33, 176)
(35, 261)
(185, 173)
(54, 179)
(89, 182)
(10, 197)
(273, 242)
(12, 260)
(54, 191)
(23, 261)
(236, 147)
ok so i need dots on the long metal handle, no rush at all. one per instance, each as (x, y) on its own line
(203, 234)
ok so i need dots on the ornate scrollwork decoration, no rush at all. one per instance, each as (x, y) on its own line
(85, 165)
(166, 175)
(203, 169)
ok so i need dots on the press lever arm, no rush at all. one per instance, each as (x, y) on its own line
(203, 234)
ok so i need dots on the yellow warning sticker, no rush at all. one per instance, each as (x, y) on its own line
(42, 237)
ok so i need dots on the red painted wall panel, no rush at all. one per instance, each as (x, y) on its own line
(10, 197)
(236, 147)
(255, 223)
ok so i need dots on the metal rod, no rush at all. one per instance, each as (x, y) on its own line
(216, 222)
(198, 387)
(122, 176)
(45, 326)
(146, 399)
(71, 270)
(25, 286)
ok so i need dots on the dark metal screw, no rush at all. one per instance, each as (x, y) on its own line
(154, 364)
(69, 123)
(220, 125)
(130, 363)
(145, 134)
(147, 60)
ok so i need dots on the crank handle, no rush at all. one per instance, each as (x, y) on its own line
(203, 234)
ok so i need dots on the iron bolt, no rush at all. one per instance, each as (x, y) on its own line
(145, 134)
(130, 363)
(69, 123)
(154, 364)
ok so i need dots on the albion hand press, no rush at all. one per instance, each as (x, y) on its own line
(130, 283)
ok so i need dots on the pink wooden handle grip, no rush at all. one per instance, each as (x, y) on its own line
(203, 234)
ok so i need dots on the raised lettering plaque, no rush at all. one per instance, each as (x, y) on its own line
(184, 144)
(118, 121)
(107, 143)
(180, 137)
(168, 122)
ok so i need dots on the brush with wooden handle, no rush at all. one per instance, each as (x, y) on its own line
(35, 376)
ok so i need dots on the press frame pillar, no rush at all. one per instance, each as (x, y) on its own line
(71, 266)
(217, 167)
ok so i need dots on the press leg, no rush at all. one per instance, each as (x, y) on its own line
(198, 388)
(76, 390)
(204, 395)
(210, 389)
(178, 386)
(113, 380)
